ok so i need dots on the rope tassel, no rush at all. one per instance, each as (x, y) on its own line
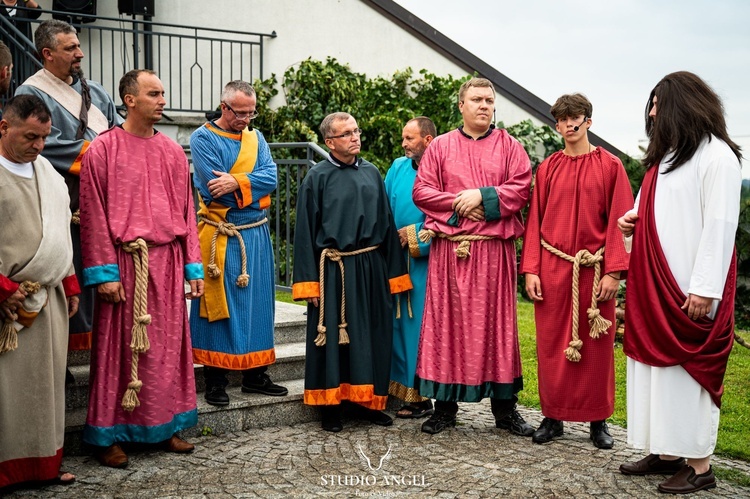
(8, 332)
(597, 323)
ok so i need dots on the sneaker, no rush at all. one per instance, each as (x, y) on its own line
(264, 385)
(548, 430)
(438, 422)
(515, 424)
(217, 395)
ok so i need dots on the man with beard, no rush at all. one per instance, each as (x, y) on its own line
(399, 182)
(81, 109)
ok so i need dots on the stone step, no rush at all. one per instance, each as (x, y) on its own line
(289, 321)
(289, 365)
(245, 410)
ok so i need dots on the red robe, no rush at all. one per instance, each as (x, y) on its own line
(575, 205)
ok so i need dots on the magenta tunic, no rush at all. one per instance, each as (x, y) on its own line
(468, 347)
(135, 187)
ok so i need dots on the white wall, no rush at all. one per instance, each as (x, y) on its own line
(349, 30)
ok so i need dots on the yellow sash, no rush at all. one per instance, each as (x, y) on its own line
(213, 304)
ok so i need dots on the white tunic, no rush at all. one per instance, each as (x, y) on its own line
(696, 208)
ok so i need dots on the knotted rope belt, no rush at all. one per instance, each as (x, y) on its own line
(462, 251)
(75, 219)
(139, 342)
(230, 230)
(335, 256)
(597, 323)
(8, 333)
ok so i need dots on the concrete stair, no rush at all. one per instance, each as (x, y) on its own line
(244, 411)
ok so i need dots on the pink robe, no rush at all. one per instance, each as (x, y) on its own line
(575, 205)
(468, 348)
(135, 187)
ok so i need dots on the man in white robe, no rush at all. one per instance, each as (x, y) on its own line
(680, 312)
(38, 289)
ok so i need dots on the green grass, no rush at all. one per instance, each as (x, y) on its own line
(734, 425)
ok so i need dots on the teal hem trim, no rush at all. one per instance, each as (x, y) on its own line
(468, 393)
(491, 203)
(101, 273)
(453, 220)
(193, 271)
(106, 436)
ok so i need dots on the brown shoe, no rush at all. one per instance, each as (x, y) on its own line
(113, 456)
(686, 481)
(176, 444)
(652, 465)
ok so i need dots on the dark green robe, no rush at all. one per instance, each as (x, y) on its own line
(346, 208)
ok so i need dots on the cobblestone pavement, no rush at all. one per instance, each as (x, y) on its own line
(473, 460)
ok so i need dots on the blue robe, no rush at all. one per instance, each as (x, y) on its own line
(244, 340)
(398, 185)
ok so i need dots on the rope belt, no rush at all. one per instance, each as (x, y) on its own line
(462, 251)
(597, 323)
(230, 230)
(8, 333)
(75, 219)
(335, 256)
(139, 342)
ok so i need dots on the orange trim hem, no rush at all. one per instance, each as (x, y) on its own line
(265, 202)
(302, 290)
(400, 284)
(222, 133)
(79, 341)
(232, 361)
(361, 394)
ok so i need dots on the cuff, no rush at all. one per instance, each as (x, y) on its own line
(453, 220)
(491, 203)
(75, 168)
(303, 290)
(101, 273)
(245, 195)
(411, 235)
(400, 284)
(193, 271)
(7, 288)
(71, 286)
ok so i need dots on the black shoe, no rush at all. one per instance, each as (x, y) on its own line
(379, 418)
(217, 395)
(515, 424)
(438, 422)
(264, 385)
(332, 418)
(599, 434)
(549, 429)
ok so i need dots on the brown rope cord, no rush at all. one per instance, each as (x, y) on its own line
(8, 333)
(597, 323)
(75, 219)
(462, 250)
(230, 230)
(335, 256)
(139, 343)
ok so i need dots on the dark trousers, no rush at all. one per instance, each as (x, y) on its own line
(217, 376)
(500, 407)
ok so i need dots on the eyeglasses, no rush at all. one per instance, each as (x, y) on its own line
(242, 116)
(347, 135)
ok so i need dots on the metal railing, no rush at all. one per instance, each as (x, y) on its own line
(293, 159)
(194, 63)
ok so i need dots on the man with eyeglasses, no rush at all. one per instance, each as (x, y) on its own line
(347, 263)
(471, 184)
(232, 327)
